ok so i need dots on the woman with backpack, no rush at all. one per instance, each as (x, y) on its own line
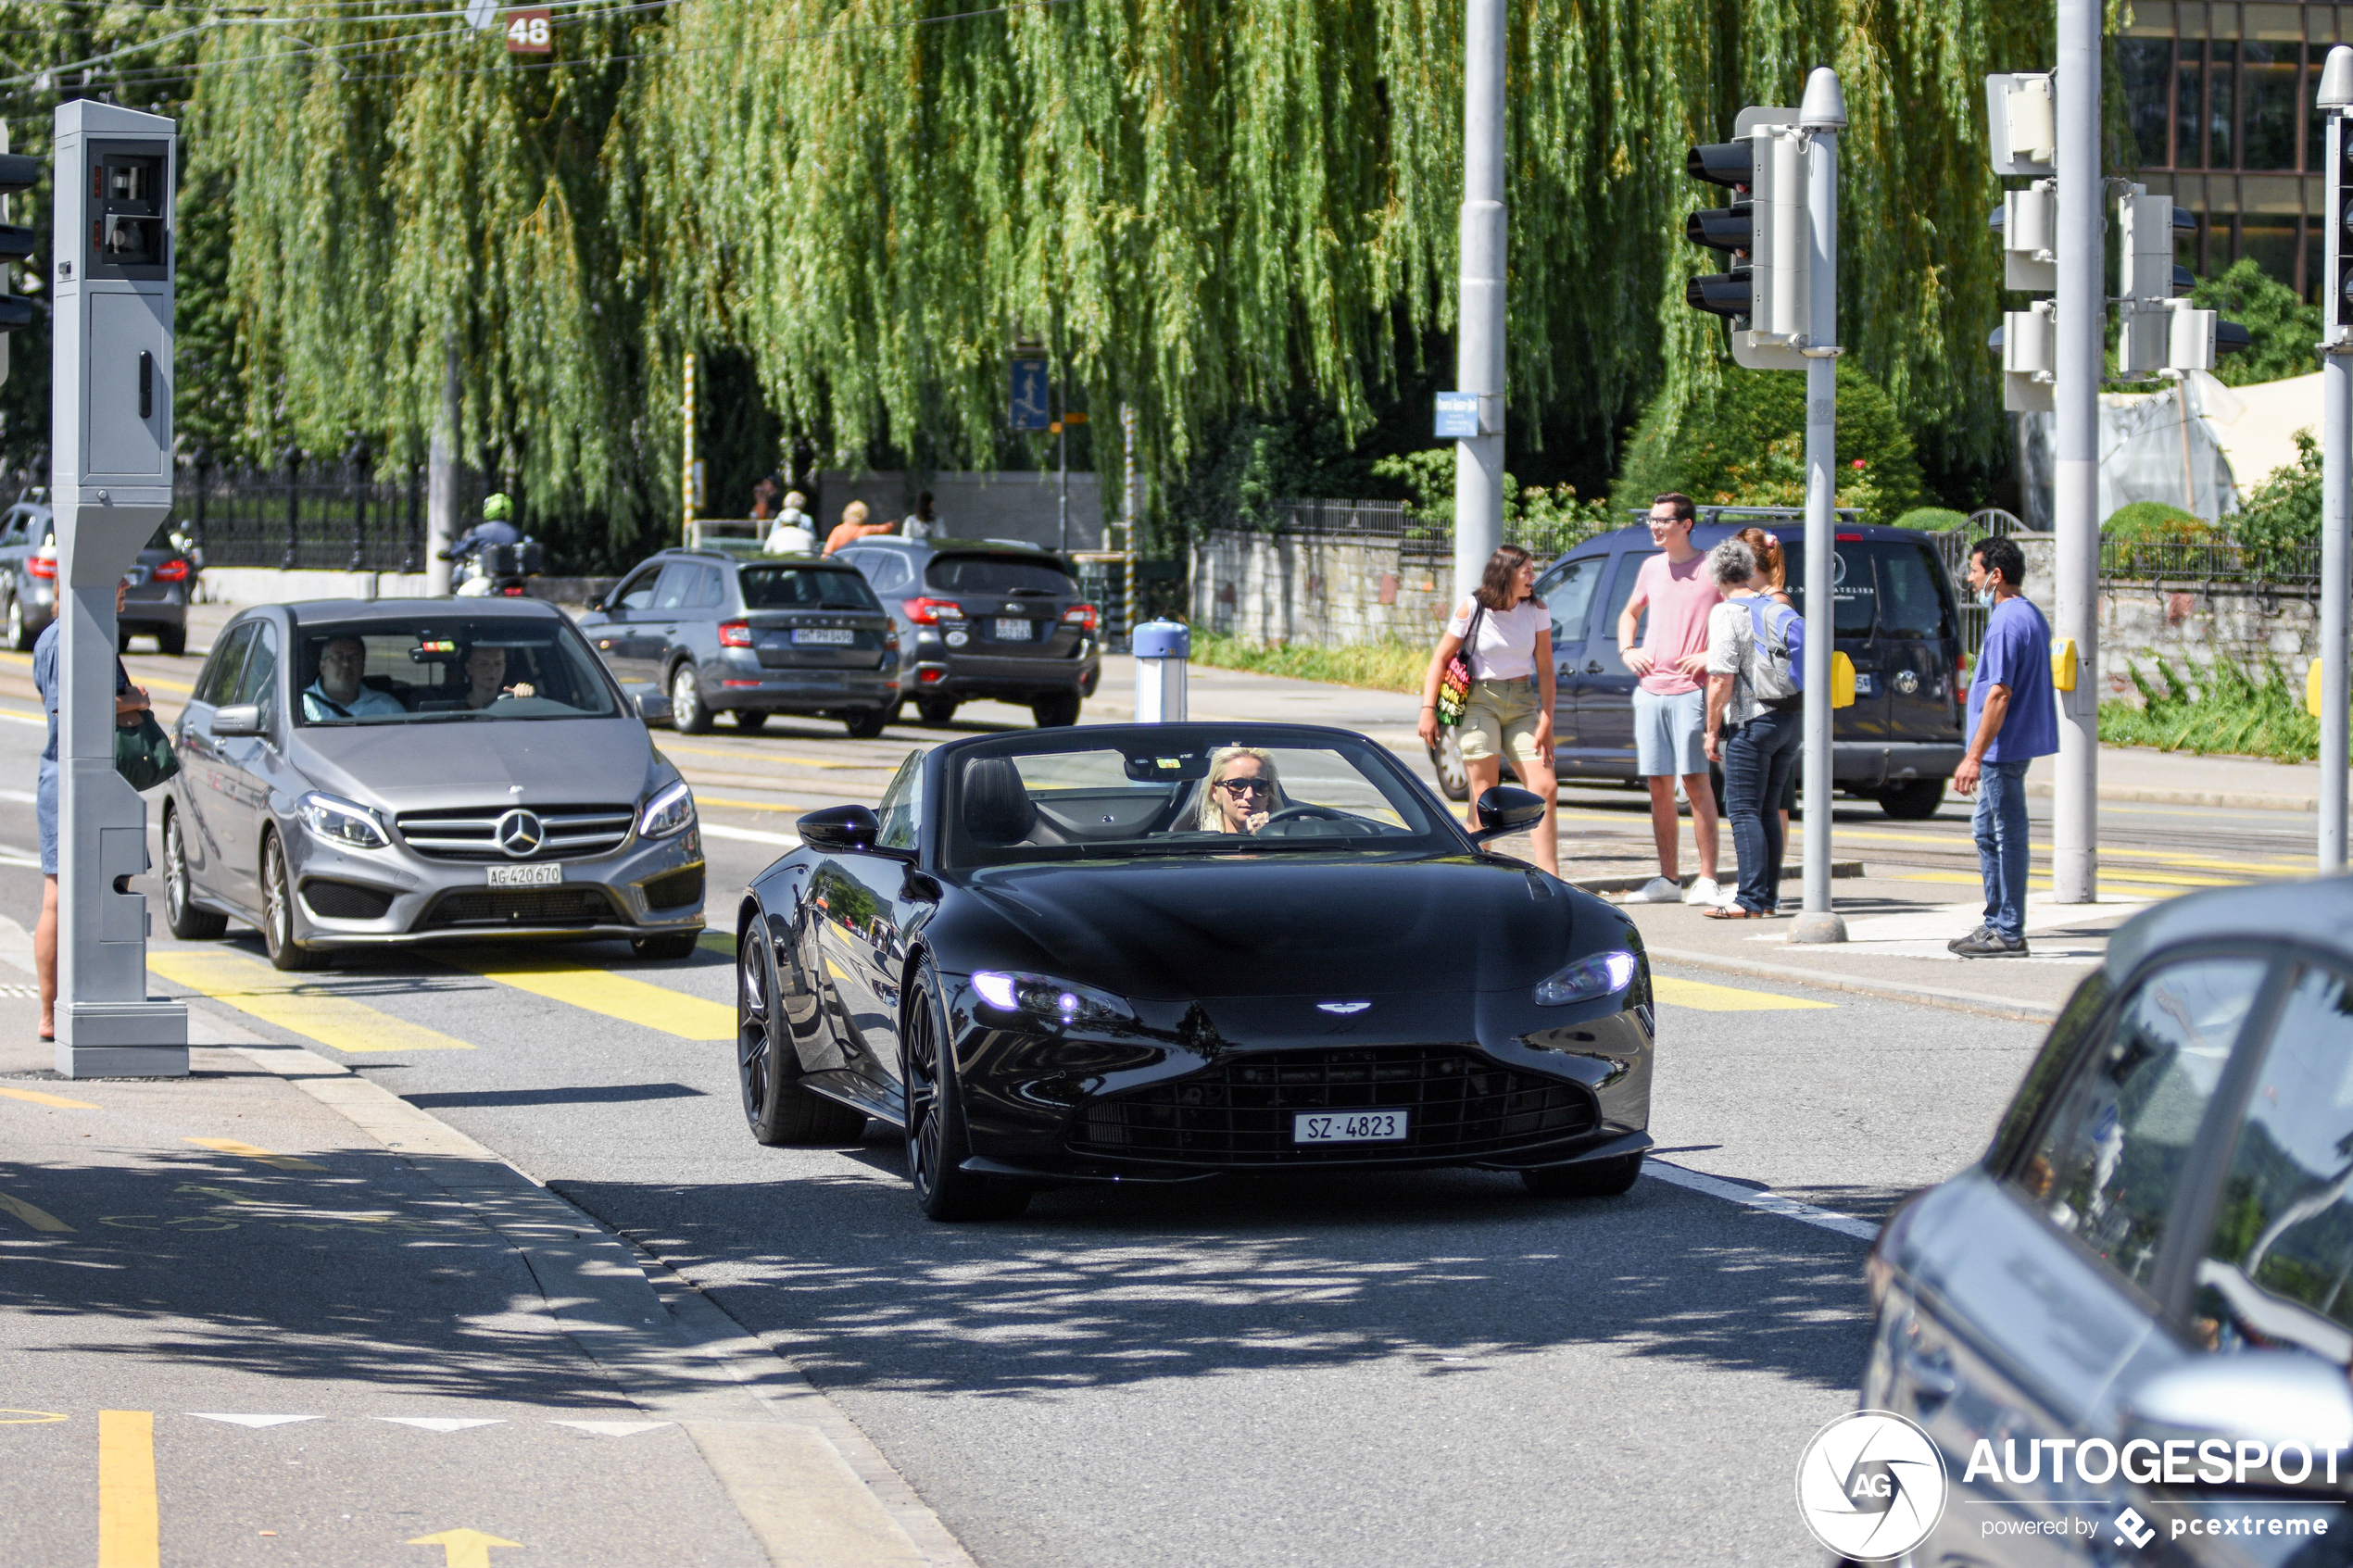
(1754, 720)
(1772, 581)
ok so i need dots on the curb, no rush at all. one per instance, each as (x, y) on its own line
(1977, 1002)
(1792, 875)
(2235, 799)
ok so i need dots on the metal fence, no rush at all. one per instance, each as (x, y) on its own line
(1420, 536)
(342, 516)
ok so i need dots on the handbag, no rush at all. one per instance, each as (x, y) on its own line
(1454, 687)
(142, 753)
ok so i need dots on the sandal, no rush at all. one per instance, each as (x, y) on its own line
(1732, 912)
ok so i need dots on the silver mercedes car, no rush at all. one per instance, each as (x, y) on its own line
(355, 774)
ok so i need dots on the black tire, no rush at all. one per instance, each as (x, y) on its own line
(938, 712)
(1058, 710)
(173, 641)
(187, 922)
(20, 637)
(866, 723)
(751, 719)
(777, 1109)
(1916, 801)
(668, 946)
(277, 914)
(1595, 1178)
(687, 714)
(937, 1143)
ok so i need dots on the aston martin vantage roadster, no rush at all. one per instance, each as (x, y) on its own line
(1170, 952)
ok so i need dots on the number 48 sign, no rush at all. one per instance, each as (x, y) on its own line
(527, 32)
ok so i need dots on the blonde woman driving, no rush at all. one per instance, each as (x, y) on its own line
(1242, 791)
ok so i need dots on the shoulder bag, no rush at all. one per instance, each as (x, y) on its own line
(1454, 687)
(142, 753)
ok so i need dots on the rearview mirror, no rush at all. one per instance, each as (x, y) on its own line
(846, 829)
(1505, 809)
(243, 718)
(654, 707)
(2251, 1399)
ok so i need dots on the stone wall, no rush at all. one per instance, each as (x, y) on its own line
(1321, 589)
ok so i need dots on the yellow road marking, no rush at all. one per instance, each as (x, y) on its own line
(304, 1007)
(223, 1194)
(464, 1547)
(128, 1534)
(615, 995)
(1706, 997)
(30, 1418)
(749, 805)
(2168, 856)
(37, 1098)
(39, 1219)
(254, 1152)
(2041, 881)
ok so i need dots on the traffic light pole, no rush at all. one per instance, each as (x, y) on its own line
(2082, 313)
(1478, 359)
(1821, 116)
(2336, 100)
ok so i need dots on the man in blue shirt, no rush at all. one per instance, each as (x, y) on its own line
(2013, 718)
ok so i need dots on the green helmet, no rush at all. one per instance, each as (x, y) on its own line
(496, 507)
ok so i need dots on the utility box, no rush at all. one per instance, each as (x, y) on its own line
(111, 462)
(1163, 650)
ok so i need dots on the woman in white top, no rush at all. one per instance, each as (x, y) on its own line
(1510, 706)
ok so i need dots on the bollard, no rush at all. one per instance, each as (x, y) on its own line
(1163, 648)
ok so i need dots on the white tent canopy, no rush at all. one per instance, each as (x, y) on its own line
(2171, 446)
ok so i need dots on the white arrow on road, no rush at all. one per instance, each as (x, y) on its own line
(255, 1422)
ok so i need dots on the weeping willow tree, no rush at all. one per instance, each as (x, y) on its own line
(1197, 205)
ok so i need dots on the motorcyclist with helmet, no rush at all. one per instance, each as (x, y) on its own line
(495, 528)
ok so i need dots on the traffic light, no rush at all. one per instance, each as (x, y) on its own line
(2148, 285)
(1764, 296)
(2337, 90)
(18, 175)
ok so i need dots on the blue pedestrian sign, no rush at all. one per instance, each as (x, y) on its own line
(1032, 405)
(1457, 415)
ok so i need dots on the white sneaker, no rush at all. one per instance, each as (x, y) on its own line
(1703, 892)
(1658, 890)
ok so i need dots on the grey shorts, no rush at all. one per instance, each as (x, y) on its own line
(1670, 733)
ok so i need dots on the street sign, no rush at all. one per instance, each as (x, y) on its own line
(529, 32)
(1457, 416)
(1031, 407)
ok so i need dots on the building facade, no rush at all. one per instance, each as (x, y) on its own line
(2219, 99)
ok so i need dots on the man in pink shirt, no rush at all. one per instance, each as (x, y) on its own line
(1670, 699)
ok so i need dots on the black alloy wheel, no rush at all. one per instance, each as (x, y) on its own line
(1914, 801)
(277, 913)
(666, 947)
(866, 723)
(187, 922)
(779, 1111)
(937, 1143)
(687, 715)
(750, 719)
(20, 634)
(1594, 1178)
(1055, 711)
(936, 711)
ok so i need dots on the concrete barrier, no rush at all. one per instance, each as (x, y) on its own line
(264, 585)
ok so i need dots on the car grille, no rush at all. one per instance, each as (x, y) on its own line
(479, 906)
(571, 832)
(1240, 1112)
(330, 899)
(674, 890)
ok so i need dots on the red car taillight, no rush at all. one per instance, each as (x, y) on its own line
(1081, 616)
(174, 570)
(926, 612)
(41, 566)
(734, 634)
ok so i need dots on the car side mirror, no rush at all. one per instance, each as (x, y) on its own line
(1506, 809)
(2273, 1397)
(654, 707)
(242, 719)
(840, 829)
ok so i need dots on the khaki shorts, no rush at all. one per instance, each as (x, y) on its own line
(1499, 719)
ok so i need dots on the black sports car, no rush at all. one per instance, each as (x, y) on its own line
(1158, 952)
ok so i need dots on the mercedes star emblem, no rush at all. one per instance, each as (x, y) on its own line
(519, 834)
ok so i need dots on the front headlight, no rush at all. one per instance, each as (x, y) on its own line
(1052, 1001)
(341, 823)
(671, 810)
(1600, 975)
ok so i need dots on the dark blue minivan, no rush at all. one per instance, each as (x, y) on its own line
(1896, 619)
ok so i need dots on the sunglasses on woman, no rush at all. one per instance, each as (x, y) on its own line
(1246, 786)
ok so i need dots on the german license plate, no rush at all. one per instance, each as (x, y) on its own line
(526, 877)
(1012, 632)
(823, 637)
(1349, 1126)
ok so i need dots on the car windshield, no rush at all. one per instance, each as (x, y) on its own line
(996, 574)
(443, 666)
(1883, 586)
(1197, 793)
(802, 587)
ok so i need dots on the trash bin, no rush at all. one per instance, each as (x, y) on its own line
(1163, 649)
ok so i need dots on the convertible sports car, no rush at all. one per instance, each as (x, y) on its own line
(1162, 952)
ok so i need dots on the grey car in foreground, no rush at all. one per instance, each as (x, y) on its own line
(459, 771)
(2143, 1296)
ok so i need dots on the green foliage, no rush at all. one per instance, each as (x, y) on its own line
(2282, 326)
(1546, 518)
(1391, 665)
(1745, 445)
(2283, 511)
(2215, 707)
(2155, 523)
(1933, 520)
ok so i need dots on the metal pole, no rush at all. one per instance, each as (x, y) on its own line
(686, 465)
(441, 474)
(2076, 489)
(2336, 98)
(1821, 116)
(1479, 358)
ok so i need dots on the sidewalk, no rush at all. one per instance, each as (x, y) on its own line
(273, 1306)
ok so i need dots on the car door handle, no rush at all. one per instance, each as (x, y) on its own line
(1592, 667)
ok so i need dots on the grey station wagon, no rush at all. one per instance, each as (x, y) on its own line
(360, 774)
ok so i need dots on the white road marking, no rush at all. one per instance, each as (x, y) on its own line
(1771, 1202)
(255, 1422)
(751, 835)
(610, 1428)
(441, 1422)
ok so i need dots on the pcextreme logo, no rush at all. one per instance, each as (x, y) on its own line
(1872, 1485)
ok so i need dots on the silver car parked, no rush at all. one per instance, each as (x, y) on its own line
(355, 774)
